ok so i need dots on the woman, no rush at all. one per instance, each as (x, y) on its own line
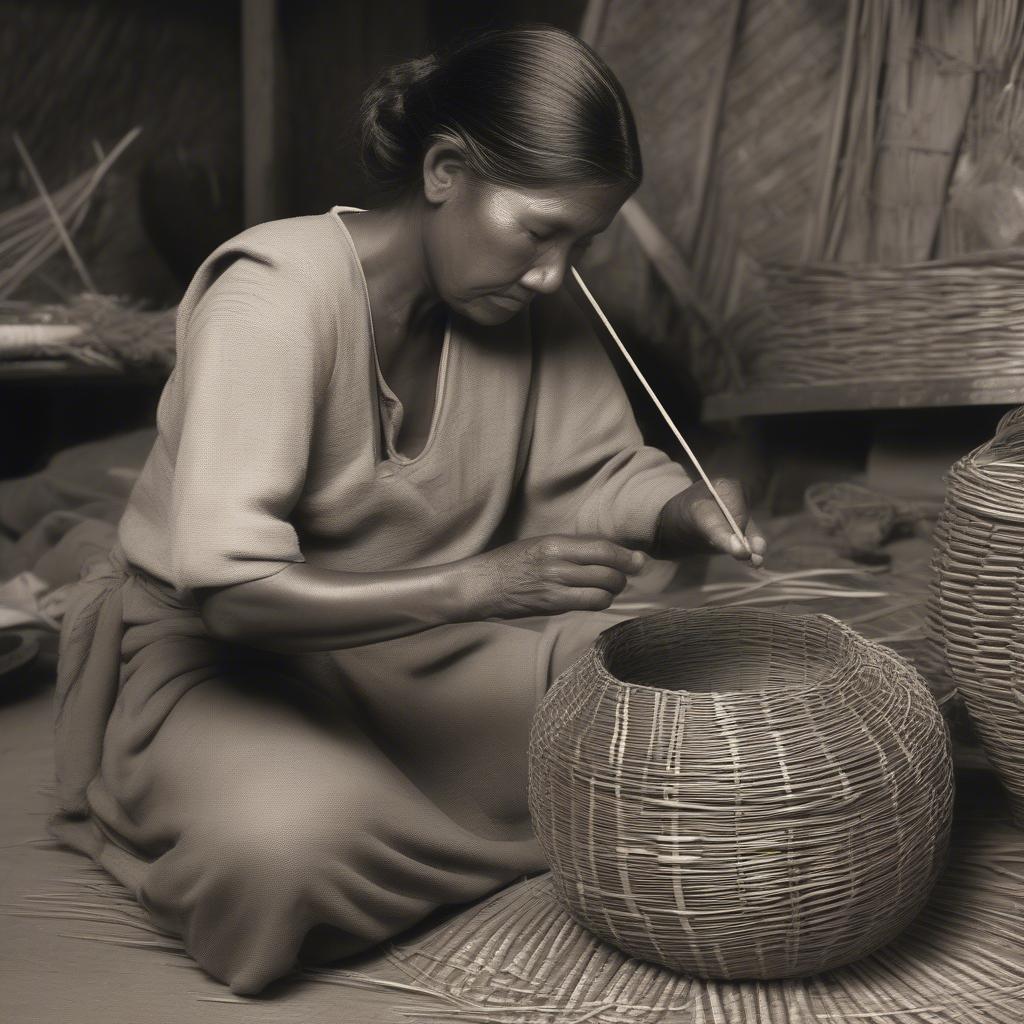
(395, 486)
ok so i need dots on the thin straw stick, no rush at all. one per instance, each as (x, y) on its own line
(54, 215)
(664, 412)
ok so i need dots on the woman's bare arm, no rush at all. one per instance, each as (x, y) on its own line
(305, 608)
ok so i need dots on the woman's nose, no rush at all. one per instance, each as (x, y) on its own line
(546, 277)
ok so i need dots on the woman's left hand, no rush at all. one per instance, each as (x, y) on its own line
(692, 519)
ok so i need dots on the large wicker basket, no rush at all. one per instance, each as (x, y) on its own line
(842, 323)
(976, 611)
(739, 793)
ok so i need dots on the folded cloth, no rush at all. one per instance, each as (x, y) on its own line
(88, 671)
(98, 475)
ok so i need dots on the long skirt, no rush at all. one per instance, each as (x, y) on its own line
(275, 810)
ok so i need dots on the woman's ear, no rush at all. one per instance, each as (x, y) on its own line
(444, 172)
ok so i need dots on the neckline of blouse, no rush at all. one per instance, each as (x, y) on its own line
(384, 392)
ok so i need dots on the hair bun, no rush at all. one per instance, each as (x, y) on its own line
(529, 107)
(390, 141)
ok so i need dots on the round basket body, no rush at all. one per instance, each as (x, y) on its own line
(739, 793)
(976, 610)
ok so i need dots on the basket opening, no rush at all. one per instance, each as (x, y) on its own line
(719, 651)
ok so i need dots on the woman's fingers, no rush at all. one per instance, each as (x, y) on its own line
(594, 551)
(755, 538)
(710, 522)
(717, 530)
(600, 577)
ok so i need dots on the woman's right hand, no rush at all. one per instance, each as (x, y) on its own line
(545, 576)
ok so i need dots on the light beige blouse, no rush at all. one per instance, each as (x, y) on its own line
(276, 428)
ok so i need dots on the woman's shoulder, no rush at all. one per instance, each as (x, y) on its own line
(306, 256)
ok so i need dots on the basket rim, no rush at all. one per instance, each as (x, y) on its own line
(871, 654)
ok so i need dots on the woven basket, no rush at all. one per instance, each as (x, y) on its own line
(838, 323)
(976, 610)
(738, 793)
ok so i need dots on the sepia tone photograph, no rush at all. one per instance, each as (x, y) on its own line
(512, 512)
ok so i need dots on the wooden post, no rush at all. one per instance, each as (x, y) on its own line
(262, 123)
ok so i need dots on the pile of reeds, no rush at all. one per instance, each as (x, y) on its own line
(91, 329)
(94, 330)
(34, 231)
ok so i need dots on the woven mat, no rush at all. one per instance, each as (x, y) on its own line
(520, 958)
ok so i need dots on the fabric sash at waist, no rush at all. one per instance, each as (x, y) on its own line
(88, 673)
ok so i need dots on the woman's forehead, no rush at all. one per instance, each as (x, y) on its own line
(581, 208)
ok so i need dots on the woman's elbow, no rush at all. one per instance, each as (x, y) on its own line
(220, 616)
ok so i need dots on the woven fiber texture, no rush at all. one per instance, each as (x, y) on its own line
(976, 610)
(733, 99)
(740, 793)
(921, 162)
(837, 323)
(519, 958)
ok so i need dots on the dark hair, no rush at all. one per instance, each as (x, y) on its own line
(528, 107)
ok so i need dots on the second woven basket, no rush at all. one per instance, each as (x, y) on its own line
(976, 611)
(740, 793)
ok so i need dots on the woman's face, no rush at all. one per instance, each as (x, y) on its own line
(491, 249)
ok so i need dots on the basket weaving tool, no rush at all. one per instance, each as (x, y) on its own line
(661, 409)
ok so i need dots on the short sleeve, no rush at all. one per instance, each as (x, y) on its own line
(254, 358)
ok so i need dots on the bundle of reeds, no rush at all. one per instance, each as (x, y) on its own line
(841, 323)
(95, 330)
(929, 83)
(37, 229)
(838, 225)
(986, 208)
(860, 518)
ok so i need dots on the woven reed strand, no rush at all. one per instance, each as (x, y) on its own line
(832, 324)
(740, 793)
(976, 607)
